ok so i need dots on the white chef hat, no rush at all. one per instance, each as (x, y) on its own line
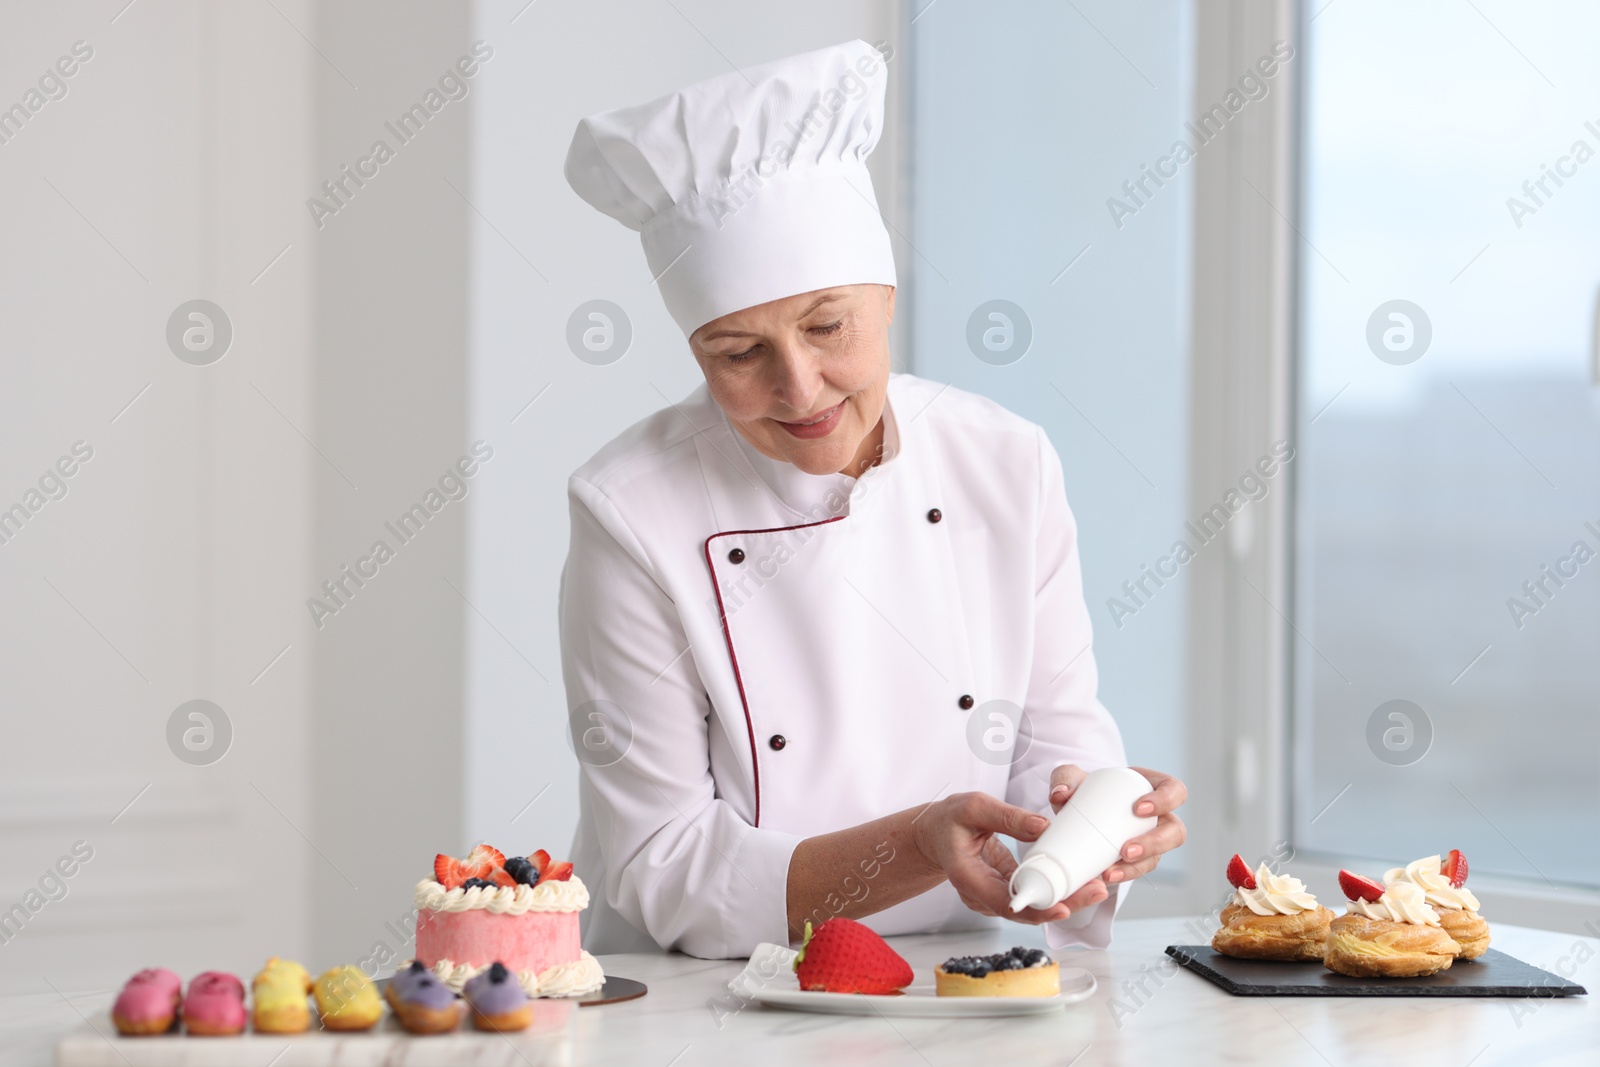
(749, 187)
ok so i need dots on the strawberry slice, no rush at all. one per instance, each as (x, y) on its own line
(499, 877)
(481, 862)
(559, 871)
(540, 860)
(1454, 868)
(486, 854)
(1239, 875)
(1358, 888)
(448, 871)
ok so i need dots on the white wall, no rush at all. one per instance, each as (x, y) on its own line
(172, 169)
(180, 562)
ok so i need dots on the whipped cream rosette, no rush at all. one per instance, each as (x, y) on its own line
(1425, 874)
(570, 895)
(1402, 902)
(1274, 894)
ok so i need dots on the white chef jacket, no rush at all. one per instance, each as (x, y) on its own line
(775, 655)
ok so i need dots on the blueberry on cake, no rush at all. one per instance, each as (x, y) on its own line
(1021, 972)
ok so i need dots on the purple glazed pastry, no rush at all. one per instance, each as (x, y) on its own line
(422, 1003)
(497, 1000)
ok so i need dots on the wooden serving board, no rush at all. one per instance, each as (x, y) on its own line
(97, 1044)
(1494, 974)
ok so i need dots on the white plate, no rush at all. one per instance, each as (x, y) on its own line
(919, 1001)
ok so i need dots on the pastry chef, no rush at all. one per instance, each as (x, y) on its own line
(823, 631)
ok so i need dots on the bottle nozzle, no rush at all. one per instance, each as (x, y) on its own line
(1031, 889)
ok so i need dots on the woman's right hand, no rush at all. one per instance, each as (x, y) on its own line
(957, 836)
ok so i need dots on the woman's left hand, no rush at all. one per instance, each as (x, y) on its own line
(1140, 855)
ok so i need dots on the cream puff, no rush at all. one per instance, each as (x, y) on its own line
(1271, 917)
(347, 999)
(1444, 883)
(1388, 932)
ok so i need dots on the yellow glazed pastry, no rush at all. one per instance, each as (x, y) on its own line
(1388, 932)
(1448, 895)
(278, 998)
(347, 999)
(1271, 917)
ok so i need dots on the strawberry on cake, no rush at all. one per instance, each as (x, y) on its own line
(521, 912)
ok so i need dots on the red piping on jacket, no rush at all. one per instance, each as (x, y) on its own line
(722, 614)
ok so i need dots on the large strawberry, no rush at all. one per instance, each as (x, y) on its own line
(842, 956)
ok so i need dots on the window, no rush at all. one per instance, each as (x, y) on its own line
(1447, 524)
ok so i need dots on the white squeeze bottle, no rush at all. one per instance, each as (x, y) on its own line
(1085, 838)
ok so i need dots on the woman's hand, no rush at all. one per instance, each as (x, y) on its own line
(956, 836)
(1141, 854)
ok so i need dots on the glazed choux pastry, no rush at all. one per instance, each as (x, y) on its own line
(214, 1005)
(497, 1000)
(347, 999)
(278, 998)
(422, 1003)
(148, 1003)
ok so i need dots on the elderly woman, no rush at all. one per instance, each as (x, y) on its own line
(823, 629)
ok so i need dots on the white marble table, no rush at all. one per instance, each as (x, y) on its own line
(1143, 1013)
(1179, 1019)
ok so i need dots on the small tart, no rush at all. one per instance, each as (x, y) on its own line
(1041, 978)
(1382, 948)
(1246, 935)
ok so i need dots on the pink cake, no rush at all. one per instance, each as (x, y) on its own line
(521, 912)
(533, 941)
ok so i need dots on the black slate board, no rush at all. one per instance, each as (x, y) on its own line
(1494, 974)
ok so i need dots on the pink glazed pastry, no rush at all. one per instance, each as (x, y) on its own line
(148, 1003)
(215, 1005)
